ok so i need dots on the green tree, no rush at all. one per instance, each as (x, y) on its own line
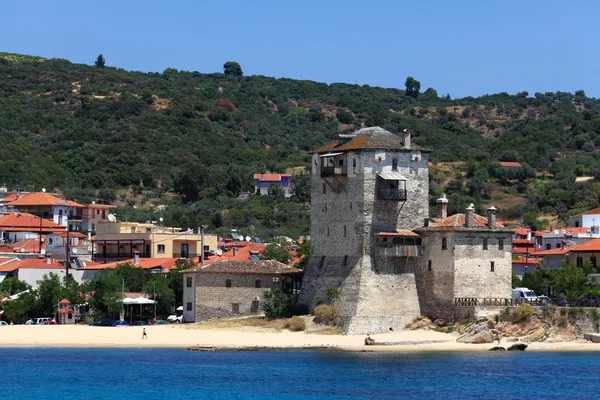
(191, 181)
(232, 68)
(158, 286)
(10, 286)
(276, 252)
(412, 87)
(276, 304)
(303, 253)
(100, 61)
(301, 187)
(49, 292)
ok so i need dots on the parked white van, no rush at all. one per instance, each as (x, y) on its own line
(523, 294)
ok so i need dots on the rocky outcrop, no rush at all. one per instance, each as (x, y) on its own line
(517, 347)
(497, 348)
(479, 334)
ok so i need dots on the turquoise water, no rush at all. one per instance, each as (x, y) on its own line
(48, 373)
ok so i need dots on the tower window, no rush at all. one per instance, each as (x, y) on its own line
(485, 243)
(394, 164)
(354, 163)
(257, 283)
(345, 260)
(344, 230)
(491, 266)
(227, 282)
(500, 244)
(324, 188)
(327, 231)
(322, 262)
(340, 163)
(444, 244)
(429, 265)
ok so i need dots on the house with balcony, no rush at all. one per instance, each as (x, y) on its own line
(115, 241)
(262, 183)
(93, 213)
(18, 226)
(47, 206)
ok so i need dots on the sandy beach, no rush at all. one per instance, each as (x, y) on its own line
(195, 335)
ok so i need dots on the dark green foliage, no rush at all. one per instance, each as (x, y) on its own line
(276, 252)
(232, 68)
(277, 304)
(100, 61)
(413, 87)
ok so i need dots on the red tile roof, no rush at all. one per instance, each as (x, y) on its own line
(25, 222)
(522, 241)
(24, 246)
(521, 231)
(510, 164)
(270, 177)
(243, 253)
(9, 198)
(551, 252)
(38, 199)
(71, 203)
(591, 245)
(37, 263)
(458, 220)
(399, 232)
(523, 250)
(9, 264)
(99, 206)
(523, 260)
(594, 211)
(261, 267)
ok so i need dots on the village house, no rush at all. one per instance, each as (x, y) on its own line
(154, 265)
(576, 255)
(589, 219)
(44, 205)
(116, 241)
(233, 288)
(93, 213)
(33, 270)
(17, 226)
(262, 183)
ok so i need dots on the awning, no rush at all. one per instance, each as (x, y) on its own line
(330, 154)
(392, 176)
(139, 300)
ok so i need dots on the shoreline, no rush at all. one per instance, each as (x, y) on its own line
(253, 339)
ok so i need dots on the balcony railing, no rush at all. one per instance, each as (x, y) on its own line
(186, 255)
(397, 250)
(392, 194)
(333, 171)
(119, 255)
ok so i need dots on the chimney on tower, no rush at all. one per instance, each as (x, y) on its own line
(491, 216)
(442, 206)
(406, 138)
(469, 216)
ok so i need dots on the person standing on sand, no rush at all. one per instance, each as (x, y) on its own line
(144, 336)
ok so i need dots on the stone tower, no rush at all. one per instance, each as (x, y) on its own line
(369, 190)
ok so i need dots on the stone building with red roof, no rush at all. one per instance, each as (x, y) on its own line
(234, 287)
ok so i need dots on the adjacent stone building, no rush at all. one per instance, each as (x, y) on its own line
(233, 288)
(370, 199)
(464, 257)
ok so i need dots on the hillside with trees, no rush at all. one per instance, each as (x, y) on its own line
(184, 145)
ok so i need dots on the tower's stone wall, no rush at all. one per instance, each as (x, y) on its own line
(376, 293)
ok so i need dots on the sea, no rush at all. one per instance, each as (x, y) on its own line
(117, 373)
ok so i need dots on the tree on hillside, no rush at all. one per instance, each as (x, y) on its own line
(232, 68)
(412, 87)
(190, 181)
(100, 61)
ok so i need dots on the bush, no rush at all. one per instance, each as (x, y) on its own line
(562, 321)
(523, 312)
(295, 324)
(277, 304)
(325, 314)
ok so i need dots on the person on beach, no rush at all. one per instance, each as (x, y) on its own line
(144, 336)
(368, 340)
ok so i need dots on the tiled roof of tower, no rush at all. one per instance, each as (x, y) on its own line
(267, 267)
(372, 138)
(458, 221)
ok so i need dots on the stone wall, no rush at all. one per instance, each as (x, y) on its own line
(214, 299)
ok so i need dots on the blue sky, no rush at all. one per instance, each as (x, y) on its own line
(458, 47)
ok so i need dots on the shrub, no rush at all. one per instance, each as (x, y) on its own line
(277, 304)
(325, 314)
(562, 321)
(523, 312)
(295, 324)
(546, 310)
